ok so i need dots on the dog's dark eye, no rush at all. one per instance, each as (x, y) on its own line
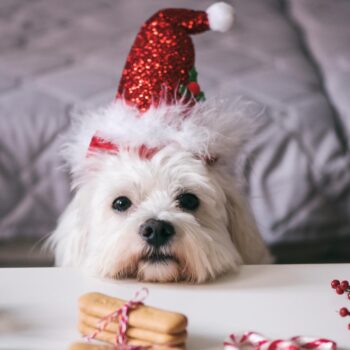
(121, 203)
(188, 201)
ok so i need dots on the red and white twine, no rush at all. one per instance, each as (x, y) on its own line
(255, 341)
(122, 316)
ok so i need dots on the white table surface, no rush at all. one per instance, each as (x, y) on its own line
(38, 306)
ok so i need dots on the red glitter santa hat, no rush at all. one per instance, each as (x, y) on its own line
(160, 65)
(157, 88)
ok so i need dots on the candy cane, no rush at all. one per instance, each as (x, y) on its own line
(256, 341)
(313, 343)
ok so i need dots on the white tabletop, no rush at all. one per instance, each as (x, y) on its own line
(38, 306)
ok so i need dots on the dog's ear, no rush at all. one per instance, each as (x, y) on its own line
(68, 241)
(244, 232)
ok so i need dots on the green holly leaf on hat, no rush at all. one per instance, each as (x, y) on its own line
(192, 74)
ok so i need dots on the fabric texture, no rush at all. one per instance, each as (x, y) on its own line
(291, 57)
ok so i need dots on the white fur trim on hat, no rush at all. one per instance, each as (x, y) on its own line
(212, 128)
(220, 16)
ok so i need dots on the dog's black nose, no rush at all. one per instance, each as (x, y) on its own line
(156, 232)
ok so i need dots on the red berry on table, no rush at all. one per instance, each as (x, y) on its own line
(335, 283)
(343, 312)
(349, 326)
(339, 290)
(349, 296)
(194, 88)
(344, 285)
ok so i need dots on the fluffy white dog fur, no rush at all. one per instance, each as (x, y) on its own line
(219, 236)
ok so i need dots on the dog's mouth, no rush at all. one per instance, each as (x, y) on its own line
(159, 266)
(159, 258)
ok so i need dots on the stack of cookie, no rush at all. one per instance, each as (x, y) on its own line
(146, 325)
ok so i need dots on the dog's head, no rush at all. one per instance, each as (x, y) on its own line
(164, 207)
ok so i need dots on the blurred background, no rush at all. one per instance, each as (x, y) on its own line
(290, 56)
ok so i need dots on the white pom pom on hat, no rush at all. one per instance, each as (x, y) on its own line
(220, 16)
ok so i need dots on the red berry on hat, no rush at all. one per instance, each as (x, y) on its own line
(343, 312)
(339, 290)
(194, 88)
(335, 284)
(344, 285)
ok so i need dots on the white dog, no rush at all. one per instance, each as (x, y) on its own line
(156, 197)
(168, 210)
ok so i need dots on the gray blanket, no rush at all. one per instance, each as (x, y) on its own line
(291, 57)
